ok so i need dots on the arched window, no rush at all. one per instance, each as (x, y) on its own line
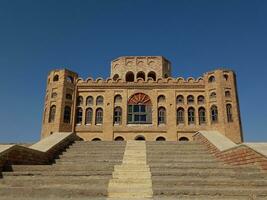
(99, 116)
(202, 115)
(227, 94)
(140, 137)
(160, 138)
(129, 77)
(56, 77)
(152, 75)
(80, 101)
(119, 138)
(141, 75)
(52, 114)
(183, 139)
(117, 115)
(190, 99)
(191, 115)
(70, 79)
(200, 99)
(139, 109)
(53, 95)
(99, 101)
(115, 77)
(67, 114)
(180, 99)
(213, 95)
(225, 77)
(79, 116)
(96, 139)
(161, 115)
(229, 113)
(89, 116)
(117, 99)
(180, 116)
(69, 96)
(161, 99)
(211, 79)
(214, 114)
(89, 101)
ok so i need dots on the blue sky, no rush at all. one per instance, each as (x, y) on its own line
(85, 35)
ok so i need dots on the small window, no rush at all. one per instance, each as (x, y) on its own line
(161, 99)
(69, 96)
(56, 77)
(115, 77)
(161, 138)
(190, 99)
(54, 95)
(213, 95)
(180, 116)
(229, 113)
(200, 99)
(214, 114)
(183, 139)
(152, 75)
(191, 116)
(96, 139)
(227, 94)
(166, 75)
(80, 101)
(117, 115)
(79, 116)
(129, 77)
(119, 138)
(202, 116)
(52, 114)
(89, 116)
(69, 79)
(212, 79)
(99, 101)
(117, 99)
(141, 75)
(67, 114)
(225, 77)
(161, 115)
(89, 101)
(180, 100)
(99, 116)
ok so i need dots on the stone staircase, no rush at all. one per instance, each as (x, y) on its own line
(134, 170)
(185, 170)
(83, 171)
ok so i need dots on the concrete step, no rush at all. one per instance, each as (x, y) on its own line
(67, 191)
(76, 167)
(208, 197)
(179, 160)
(87, 162)
(88, 156)
(131, 174)
(209, 190)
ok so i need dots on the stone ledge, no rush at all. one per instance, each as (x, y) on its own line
(43, 152)
(231, 153)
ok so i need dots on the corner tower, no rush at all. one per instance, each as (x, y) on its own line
(130, 68)
(59, 102)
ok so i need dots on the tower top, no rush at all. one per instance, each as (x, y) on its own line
(129, 68)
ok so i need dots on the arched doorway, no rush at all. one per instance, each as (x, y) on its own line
(140, 138)
(119, 138)
(183, 139)
(161, 138)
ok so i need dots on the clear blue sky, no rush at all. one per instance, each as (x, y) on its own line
(85, 35)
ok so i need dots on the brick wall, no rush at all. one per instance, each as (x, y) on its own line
(238, 156)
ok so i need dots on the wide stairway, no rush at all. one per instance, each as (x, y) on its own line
(134, 170)
(82, 171)
(185, 170)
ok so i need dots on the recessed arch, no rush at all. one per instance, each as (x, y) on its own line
(152, 75)
(160, 138)
(55, 78)
(140, 137)
(129, 77)
(183, 139)
(141, 75)
(119, 138)
(96, 139)
(212, 79)
(116, 77)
